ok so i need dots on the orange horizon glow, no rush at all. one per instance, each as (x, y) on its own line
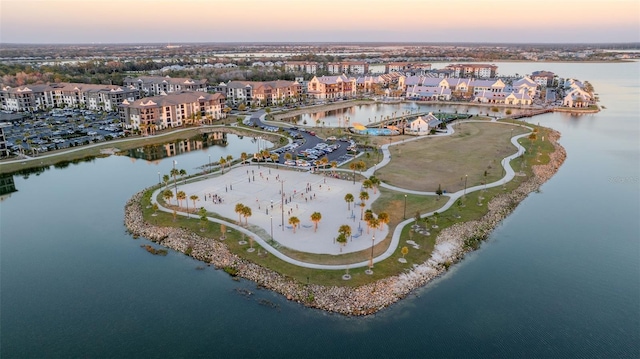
(294, 20)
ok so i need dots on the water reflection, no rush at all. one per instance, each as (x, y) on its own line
(371, 113)
(170, 149)
(7, 186)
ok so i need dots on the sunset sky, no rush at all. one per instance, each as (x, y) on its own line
(136, 21)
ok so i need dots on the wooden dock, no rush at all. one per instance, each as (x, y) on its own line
(529, 113)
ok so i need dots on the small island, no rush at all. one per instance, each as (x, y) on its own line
(293, 232)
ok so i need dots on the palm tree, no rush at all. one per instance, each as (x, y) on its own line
(383, 217)
(167, 195)
(182, 173)
(239, 210)
(181, 196)
(275, 158)
(294, 222)
(288, 156)
(222, 163)
(343, 232)
(243, 156)
(229, 160)
(366, 184)
(155, 208)
(348, 198)
(368, 216)
(364, 196)
(166, 179)
(345, 229)
(315, 218)
(246, 213)
(324, 161)
(362, 205)
(334, 165)
(374, 223)
(375, 182)
(353, 166)
(194, 198)
(174, 173)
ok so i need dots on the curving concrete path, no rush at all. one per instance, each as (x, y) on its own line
(395, 239)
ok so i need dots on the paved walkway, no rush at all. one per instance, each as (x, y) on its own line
(258, 188)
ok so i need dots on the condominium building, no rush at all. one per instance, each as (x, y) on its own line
(482, 71)
(157, 85)
(309, 67)
(543, 78)
(90, 96)
(172, 110)
(330, 87)
(261, 93)
(4, 151)
(347, 67)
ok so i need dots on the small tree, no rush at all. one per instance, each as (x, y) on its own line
(194, 198)
(239, 209)
(439, 191)
(294, 221)
(167, 195)
(404, 251)
(316, 217)
(203, 218)
(223, 230)
(246, 212)
(180, 197)
(383, 217)
(155, 209)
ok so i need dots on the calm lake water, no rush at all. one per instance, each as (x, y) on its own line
(559, 278)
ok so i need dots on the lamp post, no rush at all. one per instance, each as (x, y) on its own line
(159, 182)
(209, 170)
(282, 201)
(373, 239)
(271, 226)
(465, 185)
(175, 183)
(404, 216)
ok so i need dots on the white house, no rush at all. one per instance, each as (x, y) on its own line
(428, 93)
(422, 126)
(577, 98)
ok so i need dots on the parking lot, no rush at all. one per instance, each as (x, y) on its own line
(58, 129)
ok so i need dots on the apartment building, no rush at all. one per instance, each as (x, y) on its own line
(172, 110)
(543, 78)
(157, 85)
(332, 87)
(261, 93)
(308, 67)
(348, 67)
(4, 151)
(75, 95)
(482, 71)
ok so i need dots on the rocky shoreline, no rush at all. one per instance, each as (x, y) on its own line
(451, 245)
